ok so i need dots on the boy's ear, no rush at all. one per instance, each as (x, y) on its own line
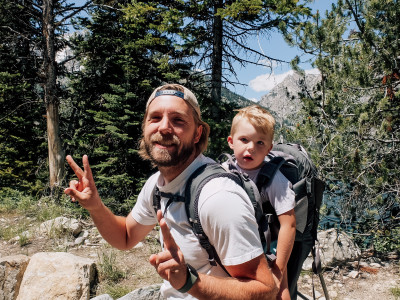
(230, 141)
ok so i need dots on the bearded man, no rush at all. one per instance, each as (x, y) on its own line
(174, 138)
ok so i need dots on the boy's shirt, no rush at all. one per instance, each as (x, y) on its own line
(280, 192)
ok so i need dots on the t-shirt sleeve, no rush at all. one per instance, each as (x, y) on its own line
(280, 193)
(143, 211)
(227, 217)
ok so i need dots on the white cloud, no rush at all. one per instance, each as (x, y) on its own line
(266, 82)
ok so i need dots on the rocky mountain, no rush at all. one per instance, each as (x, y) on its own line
(283, 101)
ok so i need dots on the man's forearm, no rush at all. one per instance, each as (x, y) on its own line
(111, 227)
(210, 288)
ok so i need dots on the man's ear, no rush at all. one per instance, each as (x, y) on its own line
(230, 141)
(199, 131)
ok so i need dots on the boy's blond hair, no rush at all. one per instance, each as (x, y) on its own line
(257, 116)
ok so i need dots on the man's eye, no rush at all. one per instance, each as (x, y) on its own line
(179, 120)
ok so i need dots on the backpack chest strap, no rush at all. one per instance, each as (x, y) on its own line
(171, 198)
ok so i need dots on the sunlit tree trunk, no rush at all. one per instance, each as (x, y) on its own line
(56, 155)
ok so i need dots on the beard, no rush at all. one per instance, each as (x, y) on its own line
(162, 157)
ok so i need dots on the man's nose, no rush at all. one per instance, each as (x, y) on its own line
(165, 126)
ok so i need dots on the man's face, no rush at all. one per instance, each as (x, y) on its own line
(170, 132)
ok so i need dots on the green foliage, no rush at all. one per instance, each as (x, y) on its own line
(395, 292)
(107, 266)
(351, 124)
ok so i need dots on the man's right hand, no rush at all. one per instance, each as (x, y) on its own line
(84, 189)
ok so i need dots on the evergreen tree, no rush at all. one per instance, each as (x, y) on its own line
(123, 57)
(21, 114)
(353, 121)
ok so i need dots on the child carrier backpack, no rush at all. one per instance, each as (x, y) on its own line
(293, 161)
(295, 164)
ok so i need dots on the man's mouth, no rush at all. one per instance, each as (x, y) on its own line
(161, 142)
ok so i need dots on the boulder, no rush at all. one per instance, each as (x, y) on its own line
(58, 275)
(12, 269)
(335, 247)
(61, 224)
(151, 292)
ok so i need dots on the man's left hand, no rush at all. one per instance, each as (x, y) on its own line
(170, 263)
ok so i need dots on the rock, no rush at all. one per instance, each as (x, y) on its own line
(148, 293)
(51, 227)
(375, 265)
(333, 294)
(12, 269)
(57, 275)
(353, 274)
(139, 245)
(335, 248)
(103, 297)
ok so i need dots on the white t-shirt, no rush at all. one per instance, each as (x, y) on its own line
(226, 215)
(280, 192)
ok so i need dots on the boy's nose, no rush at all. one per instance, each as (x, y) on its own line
(250, 147)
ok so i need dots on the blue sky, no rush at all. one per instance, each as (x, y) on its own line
(260, 79)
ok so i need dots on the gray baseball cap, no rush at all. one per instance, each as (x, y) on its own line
(186, 95)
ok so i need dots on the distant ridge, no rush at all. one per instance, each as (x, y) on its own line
(230, 96)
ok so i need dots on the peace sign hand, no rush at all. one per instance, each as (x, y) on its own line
(84, 189)
(170, 263)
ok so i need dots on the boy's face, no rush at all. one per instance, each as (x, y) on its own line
(249, 146)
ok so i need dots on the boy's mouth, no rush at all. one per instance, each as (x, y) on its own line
(247, 158)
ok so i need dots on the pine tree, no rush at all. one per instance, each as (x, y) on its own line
(21, 114)
(354, 119)
(124, 55)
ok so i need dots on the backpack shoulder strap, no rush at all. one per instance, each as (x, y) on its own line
(194, 185)
(268, 171)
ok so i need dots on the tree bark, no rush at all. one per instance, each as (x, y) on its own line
(56, 155)
(216, 61)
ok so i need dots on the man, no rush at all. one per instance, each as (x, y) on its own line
(173, 139)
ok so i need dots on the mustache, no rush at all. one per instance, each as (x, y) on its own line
(165, 140)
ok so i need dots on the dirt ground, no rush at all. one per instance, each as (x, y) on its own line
(371, 283)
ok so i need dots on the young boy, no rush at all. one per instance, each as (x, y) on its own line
(251, 137)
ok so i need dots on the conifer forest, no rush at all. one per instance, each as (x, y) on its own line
(75, 78)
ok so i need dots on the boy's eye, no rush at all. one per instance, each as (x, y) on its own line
(260, 143)
(244, 140)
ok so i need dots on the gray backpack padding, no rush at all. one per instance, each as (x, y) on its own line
(308, 187)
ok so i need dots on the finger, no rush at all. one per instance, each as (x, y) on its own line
(86, 167)
(77, 170)
(153, 259)
(169, 242)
